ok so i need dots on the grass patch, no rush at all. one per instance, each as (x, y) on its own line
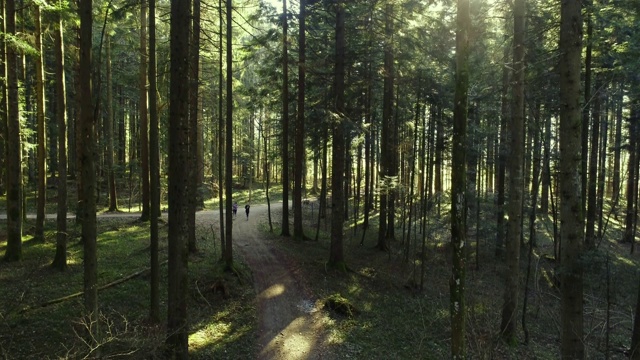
(397, 319)
(28, 331)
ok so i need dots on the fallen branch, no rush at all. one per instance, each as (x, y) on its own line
(80, 293)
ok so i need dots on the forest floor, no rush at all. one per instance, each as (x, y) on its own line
(275, 306)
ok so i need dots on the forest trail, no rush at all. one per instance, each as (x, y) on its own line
(290, 327)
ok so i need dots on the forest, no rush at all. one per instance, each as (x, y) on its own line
(413, 179)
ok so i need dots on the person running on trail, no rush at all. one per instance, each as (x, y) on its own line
(246, 210)
(235, 209)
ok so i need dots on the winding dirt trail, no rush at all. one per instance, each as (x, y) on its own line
(290, 326)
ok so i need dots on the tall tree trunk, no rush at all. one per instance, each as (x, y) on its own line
(154, 168)
(592, 183)
(617, 142)
(571, 231)
(221, 134)
(228, 255)
(13, 252)
(144, 119)
(386, 136)
(42, 132)
(177, 326)
(3, 103)
(111, 176)
(458, 183)
(285, 123)
(194, 59)
(88, 169)
(585, 110)
(502, 157)
(602, 162)
(393, 154)
(440, 148)
(299, 167)
(60, 259)
(368, 159)
(336, 253)
(632, 185)
(546, 166)
(516, 153)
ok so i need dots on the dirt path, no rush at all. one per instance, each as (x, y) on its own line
(290, 325)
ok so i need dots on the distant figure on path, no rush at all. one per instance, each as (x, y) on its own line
(235, 209)
(246, 210)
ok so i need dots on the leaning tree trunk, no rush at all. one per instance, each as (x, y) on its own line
(458, 183)
(571, 232)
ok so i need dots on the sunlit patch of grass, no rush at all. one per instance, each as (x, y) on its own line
(32, 332)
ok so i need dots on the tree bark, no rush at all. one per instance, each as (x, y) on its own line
(60, 259)
(285, 123)
(13, 252)
(458, 183)
(154, 168)
(617, 144)
(516, 153)
(177, 326)
(386, 136)
(336, 253)
(111, 174)
(144, 119)
(194, 68)
(88, 169)
(299, 167)
(502, 158)
(228, 255)
(3, 103)
(41, 131)
(589, 239)
(632, 184)
(571, 231)
(221, 134)
(585, 110)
